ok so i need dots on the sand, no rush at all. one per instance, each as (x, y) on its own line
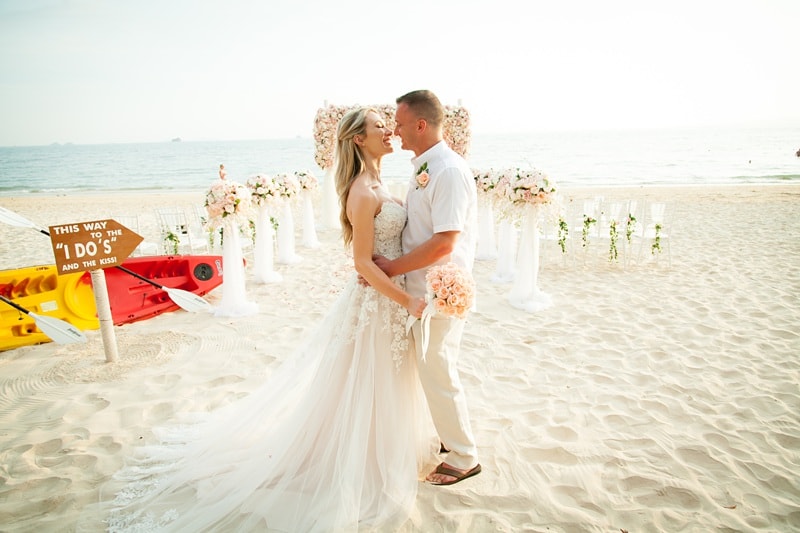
(656, 394)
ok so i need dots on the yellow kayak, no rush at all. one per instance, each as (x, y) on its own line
(40, 290)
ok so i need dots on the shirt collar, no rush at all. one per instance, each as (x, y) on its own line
(430, 153)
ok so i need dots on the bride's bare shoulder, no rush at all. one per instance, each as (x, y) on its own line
(362, 196)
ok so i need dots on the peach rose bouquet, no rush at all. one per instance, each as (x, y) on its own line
(450, 293)
(451, 290)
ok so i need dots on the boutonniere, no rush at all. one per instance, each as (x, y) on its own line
(422, 175)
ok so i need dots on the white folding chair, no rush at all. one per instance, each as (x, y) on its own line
(611, 232)
(584, 226)
(655, 236)
(132, 222)
(177, 236)
(550, 235)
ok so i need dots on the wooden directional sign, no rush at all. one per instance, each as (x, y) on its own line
(92, 245)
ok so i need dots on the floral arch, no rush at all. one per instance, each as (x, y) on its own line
(456, 129)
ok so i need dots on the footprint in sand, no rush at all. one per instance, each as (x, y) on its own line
(82, 408)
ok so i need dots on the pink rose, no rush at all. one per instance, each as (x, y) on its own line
(455, 300)
(448, 278)
(422, 179)
(435, 285)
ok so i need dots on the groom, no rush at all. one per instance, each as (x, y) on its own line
(441, 227)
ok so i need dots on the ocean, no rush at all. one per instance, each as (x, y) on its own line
(701, 156)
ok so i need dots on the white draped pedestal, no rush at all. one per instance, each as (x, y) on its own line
(506, 248)
(309, 230)
(264, 252)
(487, 247)
(234, 296)
(330, 202)
(286, 253)
(525, 293)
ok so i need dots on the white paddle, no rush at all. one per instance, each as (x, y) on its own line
(60, 331)
(184, 299)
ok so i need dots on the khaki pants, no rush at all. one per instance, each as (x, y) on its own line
(438, 373)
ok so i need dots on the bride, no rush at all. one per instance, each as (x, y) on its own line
(337, 438)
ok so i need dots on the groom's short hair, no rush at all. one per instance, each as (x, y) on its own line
(425, 105)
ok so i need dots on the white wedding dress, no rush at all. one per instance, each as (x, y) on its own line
(336, 440)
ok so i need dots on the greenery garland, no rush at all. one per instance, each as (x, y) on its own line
(563, 232)
(656, 241)
(630, 226)
(612, 233)
(172, 240)
(587, 224)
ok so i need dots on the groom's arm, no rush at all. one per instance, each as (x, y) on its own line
(429, 252)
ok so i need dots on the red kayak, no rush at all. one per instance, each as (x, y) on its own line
(132, 299)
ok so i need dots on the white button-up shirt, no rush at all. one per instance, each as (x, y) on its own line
(448, 202)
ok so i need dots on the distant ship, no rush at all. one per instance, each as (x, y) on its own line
(176, 140)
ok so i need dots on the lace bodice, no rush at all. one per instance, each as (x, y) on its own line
(389, 223)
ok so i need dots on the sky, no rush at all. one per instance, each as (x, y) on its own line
(112, 71)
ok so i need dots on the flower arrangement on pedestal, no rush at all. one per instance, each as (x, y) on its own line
(264, 190)
(288, 186)
(456, 129)
(528, 194)
(227, 200)
(523, 188)
(265, 193)
(485, 181)
(308, 187)
(229, 205)
(308, 182)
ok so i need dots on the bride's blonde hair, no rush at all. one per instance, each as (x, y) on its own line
(349, 162)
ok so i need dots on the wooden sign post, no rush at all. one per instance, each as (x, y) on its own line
(94, 246)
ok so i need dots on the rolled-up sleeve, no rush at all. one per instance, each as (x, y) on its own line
(449, 201)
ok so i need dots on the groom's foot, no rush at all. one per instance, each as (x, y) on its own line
(448, 475)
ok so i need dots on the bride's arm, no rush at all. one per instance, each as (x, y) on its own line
(362, 207)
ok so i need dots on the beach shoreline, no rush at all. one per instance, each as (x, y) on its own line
(658, 394)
